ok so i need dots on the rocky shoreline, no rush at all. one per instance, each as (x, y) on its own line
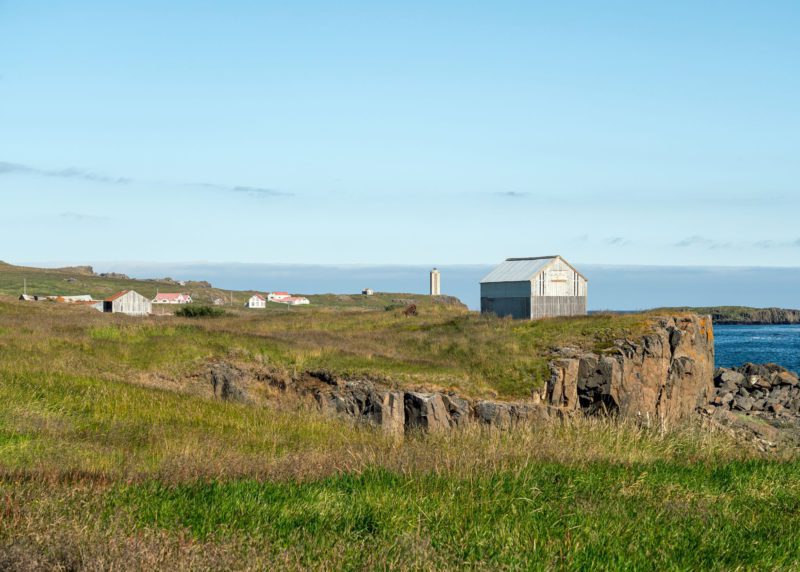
(754, 316)
(765, 390)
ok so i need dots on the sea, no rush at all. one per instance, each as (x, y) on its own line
(736, 345)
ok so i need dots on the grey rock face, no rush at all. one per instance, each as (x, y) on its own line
(226, 382)
(426, 411)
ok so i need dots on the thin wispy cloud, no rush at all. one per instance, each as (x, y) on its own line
(7, 168)
(260, 192)
(83, 217)
(617, 241)
(777, 244)
(512, 194)
(702, 242)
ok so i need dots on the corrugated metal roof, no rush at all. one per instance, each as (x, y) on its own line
(117, 295)
(518, 269)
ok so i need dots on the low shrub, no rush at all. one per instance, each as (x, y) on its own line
(193, 311)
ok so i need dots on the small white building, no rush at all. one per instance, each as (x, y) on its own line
(291, 300)
(128, 302)
(533, 288)
(278, 296)
(82, 298)
(175, 298)
(256, 301)
(367, 292)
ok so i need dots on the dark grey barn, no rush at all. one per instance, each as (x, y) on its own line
(532, 288)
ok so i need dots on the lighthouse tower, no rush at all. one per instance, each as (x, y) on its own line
(436, 283)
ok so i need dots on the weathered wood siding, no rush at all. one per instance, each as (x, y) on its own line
(559, 279)
(553, 306)
(132, 304)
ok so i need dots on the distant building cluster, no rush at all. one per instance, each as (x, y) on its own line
(521, 288)
(162, 298)
(257, 301)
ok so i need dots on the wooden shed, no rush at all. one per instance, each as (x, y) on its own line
(128, 302)
(532, 288)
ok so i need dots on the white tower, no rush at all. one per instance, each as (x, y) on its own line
(436, 283)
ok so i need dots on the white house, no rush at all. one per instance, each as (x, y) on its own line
(176, 298)
(256, 301)
(367, 292)
(277, 296)
(291, 300)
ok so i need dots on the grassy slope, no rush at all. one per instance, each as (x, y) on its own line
(444, 346)
(75, 281)
(111, 455)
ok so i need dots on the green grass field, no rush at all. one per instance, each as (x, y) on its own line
(115, 455)
(97, 472)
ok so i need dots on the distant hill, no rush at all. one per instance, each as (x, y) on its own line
(77, 280)
(745, 315)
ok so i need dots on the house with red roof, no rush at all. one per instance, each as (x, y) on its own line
(257, 301)
(285, 298)
(167, 298)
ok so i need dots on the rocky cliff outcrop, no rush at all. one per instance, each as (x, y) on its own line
(758, 316)
(662, 377)
(659, 379)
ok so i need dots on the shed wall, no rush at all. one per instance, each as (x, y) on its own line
(518, 308)
(553, 306)
(506, 289)
(132, 304)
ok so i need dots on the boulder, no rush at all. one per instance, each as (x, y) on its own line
(493, 413)
(425, 411)
(562, 388)
(387, 409)
(743, 403)
(227, 383)
(728, 379)
(458, 409)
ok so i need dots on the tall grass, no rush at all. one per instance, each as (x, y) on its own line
(115, 455)
(442, 347)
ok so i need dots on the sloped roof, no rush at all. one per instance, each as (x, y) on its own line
(518, 269)
(116, 296)
(522, 269)
(170, 296)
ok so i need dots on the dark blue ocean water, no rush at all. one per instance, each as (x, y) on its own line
(736, 345)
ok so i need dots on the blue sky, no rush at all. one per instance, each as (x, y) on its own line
(634, 133)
